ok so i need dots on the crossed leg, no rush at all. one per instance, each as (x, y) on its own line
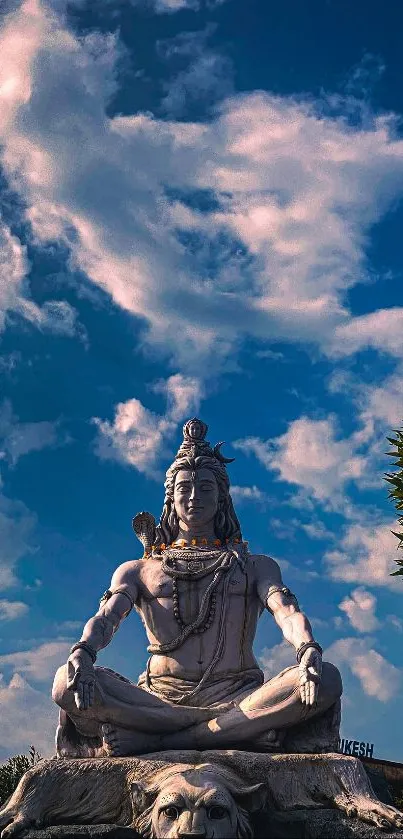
(274, 706)
(118, 706)
(133, 721)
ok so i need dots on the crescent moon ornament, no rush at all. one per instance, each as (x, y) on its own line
(220, 456)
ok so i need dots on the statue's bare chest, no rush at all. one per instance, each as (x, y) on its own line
(167, 604)
(157, 585)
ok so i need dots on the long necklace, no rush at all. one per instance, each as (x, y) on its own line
(196, 570)
(176, 610)
(218, 569)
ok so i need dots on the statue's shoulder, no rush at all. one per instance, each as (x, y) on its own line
(126, 573)
(265, 568)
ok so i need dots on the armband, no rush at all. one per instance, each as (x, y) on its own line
(105, 597)
(84, 645)
(309, 645)
(282, 590)
(108, 594)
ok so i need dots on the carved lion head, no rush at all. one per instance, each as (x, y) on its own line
(205, 802)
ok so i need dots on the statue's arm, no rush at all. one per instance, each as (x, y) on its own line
(295, 626)
(98, 631)
(117, 602)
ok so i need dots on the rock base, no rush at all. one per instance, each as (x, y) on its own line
(296, 824)
(283, 796)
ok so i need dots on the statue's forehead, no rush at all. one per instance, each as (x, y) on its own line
(203, 474)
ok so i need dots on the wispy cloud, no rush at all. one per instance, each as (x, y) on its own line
(20, 438)
(17, 524)
(137, 436)
(310, 456)
(38, 664)
(360, 609)
(28, 717)
(378, 677)
(199, 75)
(57, 316)
(296, 189)
(275, 659)
(381, 330)
(242, 494)
(365, 556)
(11, 610)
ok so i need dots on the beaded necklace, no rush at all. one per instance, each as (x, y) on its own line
(196, 570)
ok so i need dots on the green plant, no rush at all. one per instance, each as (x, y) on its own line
(395, 479)
(12, 771)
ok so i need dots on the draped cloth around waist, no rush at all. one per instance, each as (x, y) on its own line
(221, 689)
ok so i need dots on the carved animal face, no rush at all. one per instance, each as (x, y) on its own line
(195, 803)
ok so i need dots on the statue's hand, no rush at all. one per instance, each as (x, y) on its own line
(81, 679)
(310, 674)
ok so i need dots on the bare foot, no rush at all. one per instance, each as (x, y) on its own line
(121, 742)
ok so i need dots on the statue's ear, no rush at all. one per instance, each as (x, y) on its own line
(141, 797)
(252, 798)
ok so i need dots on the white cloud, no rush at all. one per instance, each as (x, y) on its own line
(69, 626)
(13, 268)
(382, 330)
(275, 659)
(20, 438)
(366, 555)
(296, 190)
(273, 355)
(38, 664)
(172, 6)
(28, 717)
(137, 436)
(175, 5)
(317, 530)
(378, 406)
(12, 610)
(56, 316)
(16, 526)
(360, 610)
(396, 622)
(248, 493)
(9, 362)
(292, 572)
(207, 77)
(378, 677)
(310, 456)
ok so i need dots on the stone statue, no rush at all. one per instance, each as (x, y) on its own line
(202, 706)
(200, 794)
(199, 592)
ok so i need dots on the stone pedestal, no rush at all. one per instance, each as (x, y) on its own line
(284, 796)
(295, 824)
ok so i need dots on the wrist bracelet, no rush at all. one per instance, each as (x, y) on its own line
(84, 645)
(304, 647)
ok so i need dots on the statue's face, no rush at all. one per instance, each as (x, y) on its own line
(196, 497)
(197, 808)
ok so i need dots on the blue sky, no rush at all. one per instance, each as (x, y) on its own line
(200, 214)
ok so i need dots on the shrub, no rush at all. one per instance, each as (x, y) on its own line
(12, 771)
(395, 479)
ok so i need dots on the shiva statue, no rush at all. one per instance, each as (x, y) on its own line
(199, 592)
